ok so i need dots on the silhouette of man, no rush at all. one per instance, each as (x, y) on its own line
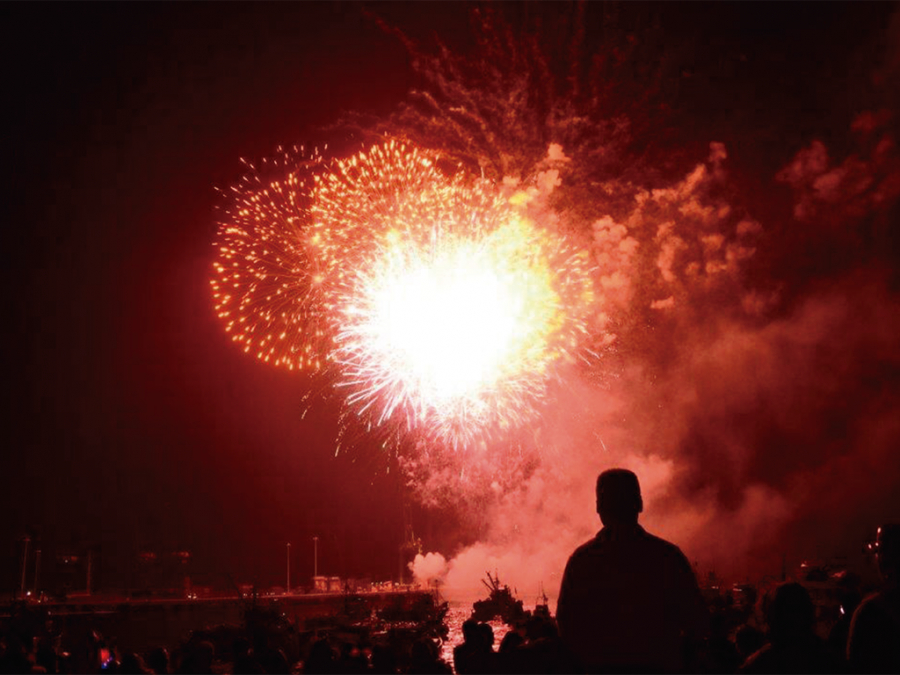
(628, 598)
(874, 642)
(793, 646)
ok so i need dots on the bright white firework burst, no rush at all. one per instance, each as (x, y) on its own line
(444, 308)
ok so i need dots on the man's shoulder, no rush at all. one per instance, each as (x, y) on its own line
(588, 548)
(666, 547)
(661, 546)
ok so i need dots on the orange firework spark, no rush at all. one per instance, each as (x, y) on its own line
(443, 308)
(263, 286)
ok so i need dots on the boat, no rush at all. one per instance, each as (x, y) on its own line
(542, 608)
(500, 603)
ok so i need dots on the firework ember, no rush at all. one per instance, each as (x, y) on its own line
(441, 305)
(264, 282)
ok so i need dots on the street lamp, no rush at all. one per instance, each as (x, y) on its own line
(315, 558)
(27, 539)
(37, 570)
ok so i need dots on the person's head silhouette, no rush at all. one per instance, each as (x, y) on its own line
(791, 614)
(887, 551)
(618, 497)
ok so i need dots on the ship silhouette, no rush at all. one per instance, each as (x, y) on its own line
(500, 603)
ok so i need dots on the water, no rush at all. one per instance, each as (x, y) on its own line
(456, 615)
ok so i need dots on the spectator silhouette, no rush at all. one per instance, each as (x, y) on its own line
(13, 657)
(45, 655)
(874, 642)
(426, 659)
(133, 664)
(485, 659)
(470, 655)
(197, 657)
(350, 660)
(849, 597)
(543, 651)
(793, 645)
(509, 655)
(321, 658)
(721, 653)
(245, 661)
(628, 598)
(384, 661)
(748, 640)
(271, 659)
(158, 660)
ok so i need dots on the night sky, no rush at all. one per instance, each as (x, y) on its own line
(132, 421)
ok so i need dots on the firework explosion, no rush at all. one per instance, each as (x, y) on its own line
(438, 303)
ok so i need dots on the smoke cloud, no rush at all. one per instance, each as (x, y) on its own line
(761, 433)
(747, 371)
(429, 569)
(756, 443)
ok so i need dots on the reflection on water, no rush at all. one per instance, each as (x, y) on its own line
(456, 615)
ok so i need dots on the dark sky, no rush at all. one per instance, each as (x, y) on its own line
(132, 420)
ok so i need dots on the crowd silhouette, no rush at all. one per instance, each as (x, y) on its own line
(629, 603)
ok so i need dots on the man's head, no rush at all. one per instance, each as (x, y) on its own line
(618, 497)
